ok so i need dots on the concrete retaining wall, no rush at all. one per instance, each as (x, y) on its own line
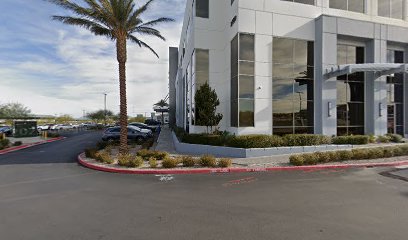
(197, 149)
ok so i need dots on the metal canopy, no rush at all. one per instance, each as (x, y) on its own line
(381, 69)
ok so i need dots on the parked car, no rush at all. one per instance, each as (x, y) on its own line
(145, 126)
(134, 133)
(44, 127)
(62, 127)
(152, 122)
(6, 130)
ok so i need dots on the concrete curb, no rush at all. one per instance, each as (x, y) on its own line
(232, 170)
(13, 149)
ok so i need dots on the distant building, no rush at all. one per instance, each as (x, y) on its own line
(332, 67)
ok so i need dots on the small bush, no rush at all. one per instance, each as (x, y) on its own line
(145, 154)
(135, 162)
(388, 152)
(170, 163)
(148, 143)
(353, 140)
(188, 161)
(90, 152)
(404, 149)
(396, 138)
(208, 161)
(256, 141)
(360, 154)
(53, 135)
(160, 155)
(397, 151)
(371, 138)
(153, 162)
(310, 159)
(297, 160)
(374, 153)
(4, 143)
(323, 157)
(124, 159)
(104, 157)
(344, 155)
(224, 163)
(17, 143)
(305, 140)
(383, 139)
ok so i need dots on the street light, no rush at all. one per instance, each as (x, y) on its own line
(104, 113)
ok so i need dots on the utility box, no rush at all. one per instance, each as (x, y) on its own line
(25, 129)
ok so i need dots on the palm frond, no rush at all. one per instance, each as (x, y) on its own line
(142, 44)
(156, 21)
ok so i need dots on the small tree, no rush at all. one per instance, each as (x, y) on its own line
(14, 110)
(100, 115)
(64, 119)
(206, 103)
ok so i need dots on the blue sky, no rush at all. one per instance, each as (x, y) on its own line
(58, 69)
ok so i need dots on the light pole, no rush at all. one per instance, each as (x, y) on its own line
(104, 112)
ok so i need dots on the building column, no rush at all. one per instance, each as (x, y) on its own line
(376, 88)
(406, 95)
(325, 89)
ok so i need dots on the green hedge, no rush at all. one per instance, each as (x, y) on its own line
(344, 155)
(354, 140)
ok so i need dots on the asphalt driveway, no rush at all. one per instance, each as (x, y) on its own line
(45, 194)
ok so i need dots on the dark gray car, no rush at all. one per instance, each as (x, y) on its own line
(134, 133)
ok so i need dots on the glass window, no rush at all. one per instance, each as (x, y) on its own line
(246, 86)
(202, 67)
(391, 8)
(309, 2)
(202, 8)
(395, 95)
(350, 92)
(349, 5)
(246, 112)
(234, 82)
(246, 47)
(292, 92)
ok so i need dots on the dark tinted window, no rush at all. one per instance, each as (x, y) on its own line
(202, 8)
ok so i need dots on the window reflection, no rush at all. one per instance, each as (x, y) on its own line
(350, 92)
(395, 95)
(293, 86)
(202, 8)
(349, 5)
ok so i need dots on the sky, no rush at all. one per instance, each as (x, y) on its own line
(57, 69)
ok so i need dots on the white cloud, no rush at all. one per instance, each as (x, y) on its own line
(73, 69)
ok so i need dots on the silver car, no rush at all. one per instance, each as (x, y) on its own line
(134, 133)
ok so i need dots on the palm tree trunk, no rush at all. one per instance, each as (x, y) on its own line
(121, 56)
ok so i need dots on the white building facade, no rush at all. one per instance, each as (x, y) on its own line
(332, 67)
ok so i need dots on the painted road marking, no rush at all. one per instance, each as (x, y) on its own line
(165, 178)
(240, 181)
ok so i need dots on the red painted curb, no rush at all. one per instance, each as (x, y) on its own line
(233, 170)
(13, 149)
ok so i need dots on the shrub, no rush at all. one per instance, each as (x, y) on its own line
(374, 153)
(323, 157)
(388, 152)
(360, 154)
(404, 149)
(145, 154)
(101, 145)
(395, 137)
(204, 139)
(383, 139)
(135, 162)
(297, 160)
(170, 163)
(104, 157)
(90, 152)
(371, 138)
(305, 140)
(310, 159)
(4, 143)
(160, 155)
(53, 135)
(397, 151)
(17, 143)
(124, 159)
(224, 163)
(208, 161)
(256, 141)
(344, 155)
(148, 143)
(188, 161)
(153, 162)
(354, 140)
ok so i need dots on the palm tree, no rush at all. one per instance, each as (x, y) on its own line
(162, 103)
(120, 21)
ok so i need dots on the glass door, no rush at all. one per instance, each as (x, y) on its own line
(391, 118)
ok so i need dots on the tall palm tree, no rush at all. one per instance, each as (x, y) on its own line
(120, 21)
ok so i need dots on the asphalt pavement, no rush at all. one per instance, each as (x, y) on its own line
(45, 194)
